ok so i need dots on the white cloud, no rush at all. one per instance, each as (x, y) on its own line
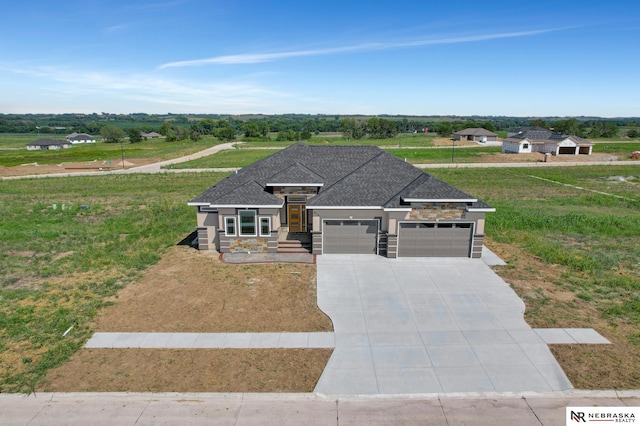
(252, 58)
(148, 89)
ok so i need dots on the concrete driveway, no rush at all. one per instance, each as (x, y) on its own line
(428, 325)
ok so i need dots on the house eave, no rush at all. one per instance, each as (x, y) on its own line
(482, 210)
(293, 184)
(344, 207)
(238, 206)
(440, 200)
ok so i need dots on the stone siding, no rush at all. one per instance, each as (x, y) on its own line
(243, 245)
(436, 211)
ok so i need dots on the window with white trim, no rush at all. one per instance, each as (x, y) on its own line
(247, 225)
(265, 226)
(230, 226)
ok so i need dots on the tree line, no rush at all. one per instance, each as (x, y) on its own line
(302, 126)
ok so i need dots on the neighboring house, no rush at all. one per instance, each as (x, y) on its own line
(150, 135)
(48, 144)
(545, 141)
(76, 138)
(345, 199)
(475, 134)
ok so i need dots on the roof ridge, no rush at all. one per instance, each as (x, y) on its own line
(354, 170)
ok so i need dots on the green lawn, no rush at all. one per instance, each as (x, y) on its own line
(228, 158)
(444, 155)
(623, 149)
(414, 139)
(100, 151)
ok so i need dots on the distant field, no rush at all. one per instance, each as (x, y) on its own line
(623, 149)
(228, 158)
(20, 140)
(445, 155)
(100, 151)
(414, 139)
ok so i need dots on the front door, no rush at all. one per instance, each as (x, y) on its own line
(296, 217)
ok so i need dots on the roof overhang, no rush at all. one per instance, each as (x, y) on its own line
(397, 209)
(481, 210)
(238, 206)
(293, 184)
(439, 200)
(344, 207)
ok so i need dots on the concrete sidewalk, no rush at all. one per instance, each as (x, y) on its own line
(138, 409)
(211, 340)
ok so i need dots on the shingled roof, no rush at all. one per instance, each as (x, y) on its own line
(349, 176)
(475, 131)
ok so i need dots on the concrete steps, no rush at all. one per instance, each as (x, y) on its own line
(294, 246)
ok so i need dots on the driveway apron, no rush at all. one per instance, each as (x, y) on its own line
(428, 325)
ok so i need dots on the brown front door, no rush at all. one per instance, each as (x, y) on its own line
(296, 217)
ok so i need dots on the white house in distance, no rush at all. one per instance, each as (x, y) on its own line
(76, 138)
(538, 139)
(475, 134)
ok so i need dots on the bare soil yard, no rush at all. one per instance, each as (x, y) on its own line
(75, 167)
(191, 291)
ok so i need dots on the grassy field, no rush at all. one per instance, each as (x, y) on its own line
(228, 158)
(59, 267)
(444, 155)
(624, 149)
(99, 151)
(414, 139)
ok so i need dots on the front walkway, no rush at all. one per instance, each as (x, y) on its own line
(211, 340)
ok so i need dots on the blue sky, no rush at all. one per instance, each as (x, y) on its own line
(543, 58)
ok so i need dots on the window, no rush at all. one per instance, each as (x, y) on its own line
(525, 146)
(265, 226)
(230, 226)
(247, 223)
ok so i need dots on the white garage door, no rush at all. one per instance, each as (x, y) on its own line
(350, 236)
(418, 239)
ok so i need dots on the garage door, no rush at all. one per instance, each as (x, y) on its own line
(350, 236)
(434, 239)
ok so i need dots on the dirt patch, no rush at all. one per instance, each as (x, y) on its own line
(73, 167)
(549, 304)
(192, 291)
(189, 370)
